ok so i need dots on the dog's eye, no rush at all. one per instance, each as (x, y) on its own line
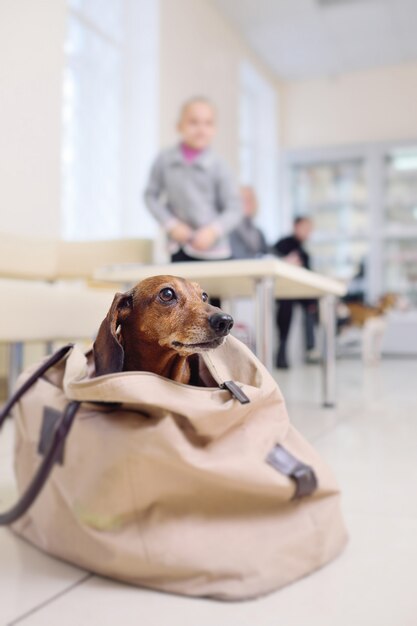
(167, 294)
(204, 296)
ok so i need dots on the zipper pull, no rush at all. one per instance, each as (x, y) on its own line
(236, 391)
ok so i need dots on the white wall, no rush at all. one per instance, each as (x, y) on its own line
(31, 58)
(200, 54)
(373, 105)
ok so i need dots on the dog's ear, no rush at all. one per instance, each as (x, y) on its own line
(107, 349)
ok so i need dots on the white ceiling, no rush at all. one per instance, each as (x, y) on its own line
(309, 38)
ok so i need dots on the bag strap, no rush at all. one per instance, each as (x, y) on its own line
(57, 441)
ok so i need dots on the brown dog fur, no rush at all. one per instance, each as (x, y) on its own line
(359, 313)
(146, 330)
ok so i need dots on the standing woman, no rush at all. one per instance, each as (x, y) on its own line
(191, 192)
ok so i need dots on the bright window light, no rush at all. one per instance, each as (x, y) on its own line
(109, 117)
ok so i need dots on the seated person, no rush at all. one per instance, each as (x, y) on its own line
(357, 286)
(247, 240)
(291, 250)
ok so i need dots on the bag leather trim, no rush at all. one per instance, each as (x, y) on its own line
(303, 475)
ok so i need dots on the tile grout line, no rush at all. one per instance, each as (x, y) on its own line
(37, 608)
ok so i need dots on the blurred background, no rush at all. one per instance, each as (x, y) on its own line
(316, 105)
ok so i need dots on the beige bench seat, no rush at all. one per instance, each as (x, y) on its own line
(33, 258)
(38, 311)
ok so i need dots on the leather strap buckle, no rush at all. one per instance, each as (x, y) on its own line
(303, 475)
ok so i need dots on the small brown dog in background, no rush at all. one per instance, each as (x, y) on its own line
(359, 313)
(372, 321)
(160, 326)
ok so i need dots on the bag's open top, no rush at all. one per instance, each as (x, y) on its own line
(212, 409)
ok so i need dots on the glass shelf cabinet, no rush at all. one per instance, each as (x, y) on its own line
(363, 200)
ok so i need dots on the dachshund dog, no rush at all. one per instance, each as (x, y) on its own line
(160, 326)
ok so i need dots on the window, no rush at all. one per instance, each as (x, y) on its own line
(258, 145)
(110, 110)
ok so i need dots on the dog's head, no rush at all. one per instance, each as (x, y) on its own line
(387, 301)
(165, 311)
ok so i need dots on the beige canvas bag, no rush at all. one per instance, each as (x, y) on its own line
(205, 491)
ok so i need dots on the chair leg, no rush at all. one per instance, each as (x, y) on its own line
(16, 351)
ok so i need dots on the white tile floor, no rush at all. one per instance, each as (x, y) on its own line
(369, 439)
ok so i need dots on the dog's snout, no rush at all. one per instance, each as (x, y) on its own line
(221, 323)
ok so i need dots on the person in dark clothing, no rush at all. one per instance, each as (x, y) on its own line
(357, 286)
(291, 250)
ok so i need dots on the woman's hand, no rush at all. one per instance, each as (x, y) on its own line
(205, 238)
(293, 258)
(181, 232)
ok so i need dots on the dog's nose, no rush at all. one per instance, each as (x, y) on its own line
(221, 323)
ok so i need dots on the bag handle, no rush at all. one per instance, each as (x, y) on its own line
(57, 441)
(303, 475)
